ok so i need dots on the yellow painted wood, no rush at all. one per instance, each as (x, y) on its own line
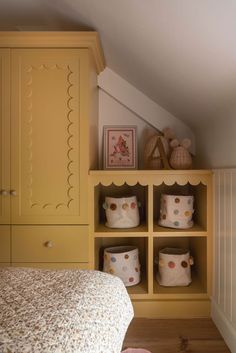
(53, 266)
(50, 244)
(5, 264)
(151, 299)
(49, 145)
(86, 40)
(54, 117)
(5, 243)
(170, 309)
(4, 136)
(102, 230)
(195, 231)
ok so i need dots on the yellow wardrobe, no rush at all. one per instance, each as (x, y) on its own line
(49, 115)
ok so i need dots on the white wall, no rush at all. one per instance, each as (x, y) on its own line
(216, 142)
(112, 112)
(216, 148)
(120, 103)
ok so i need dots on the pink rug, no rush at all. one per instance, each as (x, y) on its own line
(135, 350)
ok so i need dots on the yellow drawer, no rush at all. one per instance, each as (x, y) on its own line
(5, 264)
(54, 266)
(5, 254)
(50, 243)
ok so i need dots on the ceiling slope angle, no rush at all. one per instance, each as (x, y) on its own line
(180, 53)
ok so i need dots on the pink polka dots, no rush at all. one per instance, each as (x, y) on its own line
(171, 264)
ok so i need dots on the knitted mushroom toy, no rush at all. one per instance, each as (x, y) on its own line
(180, 157)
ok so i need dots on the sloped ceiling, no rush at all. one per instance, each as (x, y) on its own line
(180, 53)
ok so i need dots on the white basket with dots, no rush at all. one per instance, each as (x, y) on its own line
(123, 262)
(121, 212)
(174, 267)
(176, 211)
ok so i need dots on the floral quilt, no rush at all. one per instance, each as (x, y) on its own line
(62, 311)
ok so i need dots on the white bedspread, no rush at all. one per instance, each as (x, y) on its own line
(66, 311)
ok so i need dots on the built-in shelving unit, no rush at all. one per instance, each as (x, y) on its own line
(149, 298)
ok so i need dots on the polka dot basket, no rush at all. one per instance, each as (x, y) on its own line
(174, 267)
(121, 212)
(123, 262)
(176, 211)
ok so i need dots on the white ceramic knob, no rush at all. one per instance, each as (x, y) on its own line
(13, 192)
(48, 244)
(4, 192)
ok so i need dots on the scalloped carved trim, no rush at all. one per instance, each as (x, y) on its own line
(32, 203)
(182, 182)
(194, 181)
(120, 182)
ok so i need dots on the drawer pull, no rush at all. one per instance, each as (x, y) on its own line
(4, 192)
(48, 244)
(13, 192)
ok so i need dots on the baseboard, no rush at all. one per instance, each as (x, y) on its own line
(172, 309)
(224, 326)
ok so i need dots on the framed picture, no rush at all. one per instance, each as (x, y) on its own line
(120, 147)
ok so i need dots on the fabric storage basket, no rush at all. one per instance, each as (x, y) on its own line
(174, 267)
(121, 212)
(123, 262)
(176, 211)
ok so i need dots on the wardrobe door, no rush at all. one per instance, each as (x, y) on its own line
(4, 136)
(5, 241)
(48, 141)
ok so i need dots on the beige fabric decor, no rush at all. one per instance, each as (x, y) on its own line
(63, 311)
(123, 261)
(176, 211)
(121, 212)
(174, 267)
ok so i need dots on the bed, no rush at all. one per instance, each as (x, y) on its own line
(62, 311)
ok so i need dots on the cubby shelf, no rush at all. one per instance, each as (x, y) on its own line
(194, 231)
(140, 290)
(149, 236)
(102, 230)
(195, 290)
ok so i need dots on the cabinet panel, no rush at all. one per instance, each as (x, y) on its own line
(5, 264)
(53, 265)
(50, 244)
(48, 167)
(5, 254)
(4, 136)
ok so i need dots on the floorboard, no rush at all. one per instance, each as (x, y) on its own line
(175, 336)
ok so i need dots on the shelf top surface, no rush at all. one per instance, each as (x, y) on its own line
(140, 172)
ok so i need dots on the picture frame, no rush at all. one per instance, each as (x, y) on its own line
(119, 147)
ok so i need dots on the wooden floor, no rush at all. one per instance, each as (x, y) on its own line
(175, 336)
